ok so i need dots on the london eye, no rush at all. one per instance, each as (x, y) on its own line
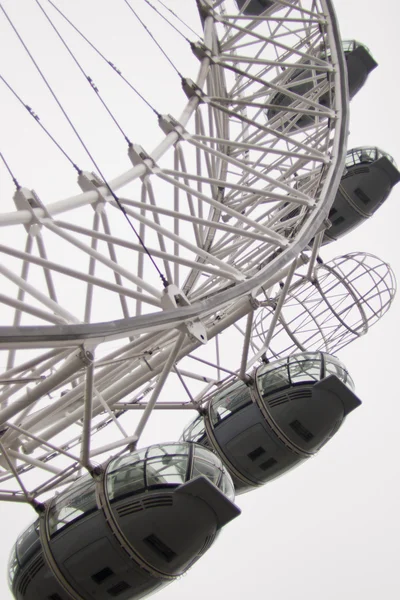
(185, 249)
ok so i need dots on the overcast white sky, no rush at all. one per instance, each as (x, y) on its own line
(329, 529)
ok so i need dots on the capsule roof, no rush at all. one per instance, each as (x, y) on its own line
(297, 369)
(347, 47)
(165, 465)
(366, 154)
(350, 45)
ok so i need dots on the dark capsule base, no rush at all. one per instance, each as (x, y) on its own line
(363, 189)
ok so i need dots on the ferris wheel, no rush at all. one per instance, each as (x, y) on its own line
(138, 292)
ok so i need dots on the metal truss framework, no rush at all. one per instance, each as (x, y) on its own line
(226, 205)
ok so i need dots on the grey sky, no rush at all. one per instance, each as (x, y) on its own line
(329, 529)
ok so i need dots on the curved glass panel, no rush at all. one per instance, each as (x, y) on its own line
(209, 464)
(226, 486)
(273, 377)
(206, 468)
(228, 401)
(382, 154)
(167, 470)
(293, 370)
(195, 431)
(358, 156)
(302, 369)
(125, 477)
(349, 45)
(167, 465)
(165, 449)
(28, 542)
(12, 566)
(76, 502)
(333, 366)
(158, 465)
(200, 452)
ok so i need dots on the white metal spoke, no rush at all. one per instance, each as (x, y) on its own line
(223, 199)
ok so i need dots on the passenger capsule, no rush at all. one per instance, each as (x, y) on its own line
(284, 415)
(151, 515)
(368, 180)
(359, 64)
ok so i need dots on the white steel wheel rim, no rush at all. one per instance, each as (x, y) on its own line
(155, 342)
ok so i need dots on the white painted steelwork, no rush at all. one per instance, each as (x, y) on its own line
(220, 206)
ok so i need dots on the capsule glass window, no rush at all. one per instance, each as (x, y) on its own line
(206, 463)
(333, 366)
(125, 477)
(27, 540)
(195, 431)
(304, 369)
(12, 566)
(381, 154)
(167, 465)
(209, 464)
(358, 156)
(74, 503)
(166, 470)
(228, 401)
(294, 370)
(348, 45)
(273, 377)
(159, 465)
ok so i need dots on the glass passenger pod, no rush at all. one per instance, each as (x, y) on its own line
(189, 492)
(166, 506)
(359, 63)
(369, 178)
(78, 501)
(262, 430)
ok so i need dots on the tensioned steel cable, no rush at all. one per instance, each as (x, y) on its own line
(178, 17)
(111, 64)
(167, 20)
(43, 77)
(10, 172)
(113, 194)
(86, 76)
(154, 39)
(37, 119)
